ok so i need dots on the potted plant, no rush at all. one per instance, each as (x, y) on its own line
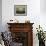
(41, 36)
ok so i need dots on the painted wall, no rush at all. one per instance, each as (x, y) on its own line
(34, 14)
(0, 15)
(43, 14)
(43, 6)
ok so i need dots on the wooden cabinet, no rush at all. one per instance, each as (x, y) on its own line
(22, 33)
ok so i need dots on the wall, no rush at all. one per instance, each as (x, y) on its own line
(43, 14)
(0, 15)
(43, 6)
(34, 14)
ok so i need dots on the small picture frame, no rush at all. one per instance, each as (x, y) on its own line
(20, 10)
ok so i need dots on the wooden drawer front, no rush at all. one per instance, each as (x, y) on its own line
(20, 29)
(21, 26)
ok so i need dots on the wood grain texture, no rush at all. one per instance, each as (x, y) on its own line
(23, 27)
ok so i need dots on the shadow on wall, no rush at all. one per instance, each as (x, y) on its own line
(43, 6)
(0, 15)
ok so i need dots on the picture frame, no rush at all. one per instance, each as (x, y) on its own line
(20, 10)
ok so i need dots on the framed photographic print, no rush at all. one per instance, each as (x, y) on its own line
(20, 10)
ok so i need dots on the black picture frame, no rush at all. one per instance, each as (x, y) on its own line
(20, 10)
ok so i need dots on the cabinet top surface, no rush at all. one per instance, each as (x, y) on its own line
(19, 23)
